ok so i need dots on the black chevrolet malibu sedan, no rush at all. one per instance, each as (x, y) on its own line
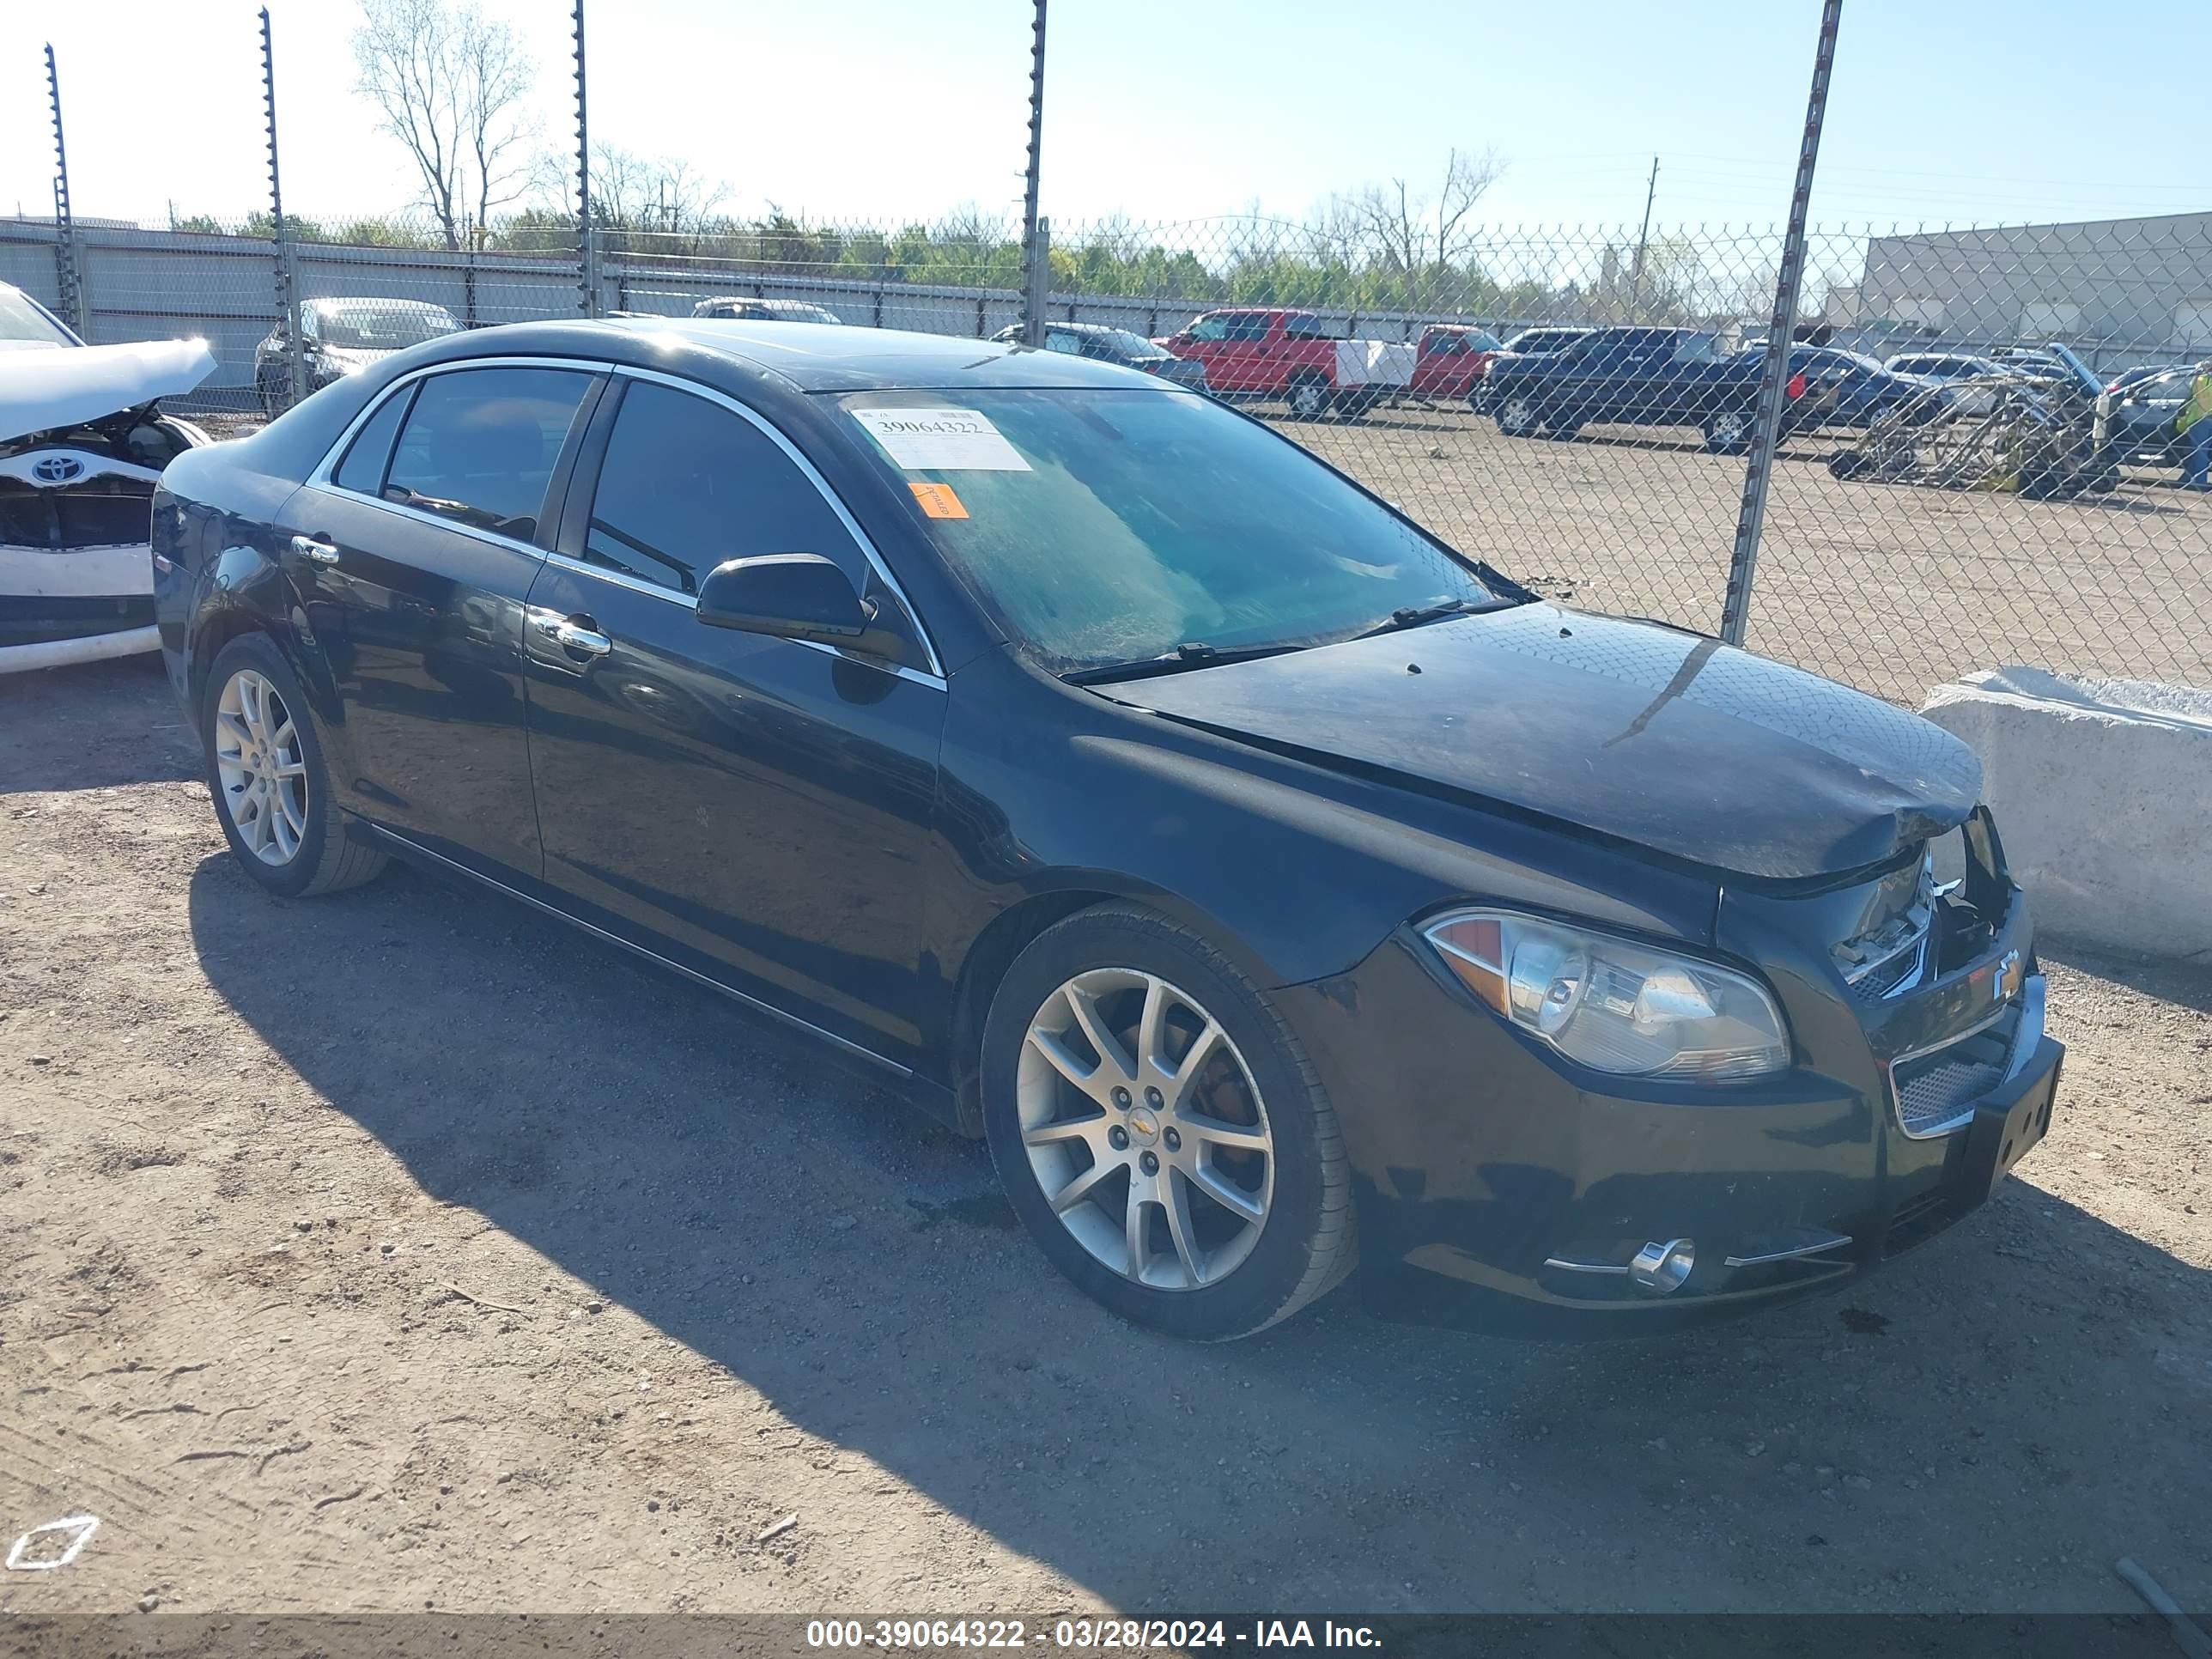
(1278, 890)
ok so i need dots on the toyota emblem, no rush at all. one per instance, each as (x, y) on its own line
(56, 469)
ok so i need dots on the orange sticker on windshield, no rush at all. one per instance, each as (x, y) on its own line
(937, 500)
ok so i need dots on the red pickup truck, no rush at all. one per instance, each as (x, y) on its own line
(1450, 360)
(1253, 352)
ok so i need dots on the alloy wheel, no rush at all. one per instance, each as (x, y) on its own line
(1516, 416)
(1308, 400)
(1144, 1129)
(261, 768)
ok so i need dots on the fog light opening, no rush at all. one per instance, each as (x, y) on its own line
(1661, 1268)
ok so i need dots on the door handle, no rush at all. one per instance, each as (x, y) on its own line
(309, 547)
(572, 635)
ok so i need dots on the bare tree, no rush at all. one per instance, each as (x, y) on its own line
(637, 193)
(451, 87)
(1411, 232)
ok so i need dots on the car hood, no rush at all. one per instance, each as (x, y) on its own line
(1632, 730)
(41, 391)
(353, 359)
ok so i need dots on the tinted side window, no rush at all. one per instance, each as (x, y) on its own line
(687, 484)
(1246, 328)
(480, 444)
(363, 466)
(1305, 328)
(1209, 328)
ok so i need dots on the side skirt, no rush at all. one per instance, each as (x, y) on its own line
(932, 1098)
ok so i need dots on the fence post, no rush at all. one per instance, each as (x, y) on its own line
(1036, 263)
(587, 253)
(288, 276)
(65, 272)
(1038, 276)
(1774, 373)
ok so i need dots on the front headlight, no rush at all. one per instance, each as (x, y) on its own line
(1614, 1005)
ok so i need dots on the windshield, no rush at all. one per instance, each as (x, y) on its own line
(1106, 527)
(23, 324)
(1134, 347)
(382, 328)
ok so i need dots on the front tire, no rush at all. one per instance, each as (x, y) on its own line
(1159, 1130)
(1518, 417)
(266, 777)
(1728, 432)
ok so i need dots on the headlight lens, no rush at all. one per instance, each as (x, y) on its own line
(1614, 1005)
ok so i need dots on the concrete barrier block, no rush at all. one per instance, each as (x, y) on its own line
(2102, 791)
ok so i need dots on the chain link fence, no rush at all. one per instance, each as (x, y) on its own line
(1981, 461)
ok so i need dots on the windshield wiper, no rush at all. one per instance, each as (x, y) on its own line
(1192, 653)
(1414, 616)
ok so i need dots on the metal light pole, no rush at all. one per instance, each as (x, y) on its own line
(65, 274)
(288, 275)
(1743, 561)
(1036, 261)
(587, 262)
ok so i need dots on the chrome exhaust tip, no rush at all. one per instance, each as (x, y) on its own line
(1661, 1268)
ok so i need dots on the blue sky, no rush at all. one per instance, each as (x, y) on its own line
(1961, 110)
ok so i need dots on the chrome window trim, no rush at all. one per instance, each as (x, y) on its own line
(706, 980)
(694, 388)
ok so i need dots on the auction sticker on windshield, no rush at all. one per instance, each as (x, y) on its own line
(937, 438)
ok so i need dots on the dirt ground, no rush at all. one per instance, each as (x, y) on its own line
(407, 1249)
(1890, 587)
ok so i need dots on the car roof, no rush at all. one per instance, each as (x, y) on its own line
(800, 356)
(376, 300)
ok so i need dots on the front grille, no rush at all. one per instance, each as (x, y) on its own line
(1937, 1091)
(104, 512)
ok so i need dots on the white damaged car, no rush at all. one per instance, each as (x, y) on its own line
(82, 446)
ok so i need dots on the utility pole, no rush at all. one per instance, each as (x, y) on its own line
(1036, 261)
(587, 262)
(1643, 241)
(1781, 330)
(288, 275)
(65, 274)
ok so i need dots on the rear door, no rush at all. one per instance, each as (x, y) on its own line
(413, 554)
(755, 809)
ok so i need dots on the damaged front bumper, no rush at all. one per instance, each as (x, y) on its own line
(1500, 1188)
(77, 579)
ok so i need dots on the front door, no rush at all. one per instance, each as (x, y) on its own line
(413, 560)
(755, 808)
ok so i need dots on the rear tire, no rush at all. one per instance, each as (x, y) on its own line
(1309, 398)
(266, 777)
(1245, 1215)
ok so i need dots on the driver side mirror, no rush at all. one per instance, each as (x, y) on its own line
(793, 596)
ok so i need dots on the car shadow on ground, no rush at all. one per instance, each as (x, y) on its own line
(793, 1221)
(92, 726)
